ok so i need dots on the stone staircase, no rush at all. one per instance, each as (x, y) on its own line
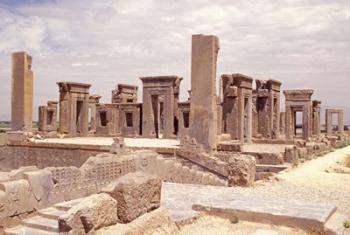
(44, 222)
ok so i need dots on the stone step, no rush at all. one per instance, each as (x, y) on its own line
(24, 230)
(39, 222)
(51, 213)
(68, 204)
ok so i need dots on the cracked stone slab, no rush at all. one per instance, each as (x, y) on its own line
(184, 200)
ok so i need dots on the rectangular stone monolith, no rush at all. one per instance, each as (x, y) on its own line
(22, 92)
(203, 108)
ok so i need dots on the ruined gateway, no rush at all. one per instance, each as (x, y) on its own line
(50, 184)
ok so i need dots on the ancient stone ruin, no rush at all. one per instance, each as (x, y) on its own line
(92, 166)
(22, 92)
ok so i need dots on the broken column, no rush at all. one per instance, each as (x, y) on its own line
(22, 92)
(203, 108)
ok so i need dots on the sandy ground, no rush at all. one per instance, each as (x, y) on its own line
(210, 225)
(312, 173)
(310, 182)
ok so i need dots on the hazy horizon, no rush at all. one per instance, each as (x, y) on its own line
(305, 44)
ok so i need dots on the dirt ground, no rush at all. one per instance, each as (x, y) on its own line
(209, 225)
(314, 173)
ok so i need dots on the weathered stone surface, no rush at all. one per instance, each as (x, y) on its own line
(155, 222)
(136, 193)
(298, 101)
(22, 92)
(302, 152)
(160, 102)
(203, 108)
(182, 199)
(48, 117)
(18, 197)
(3, 139)
(291, 155)
(41, 183)
(73, 108)
(236, 90)
(16, 174)
(94, 212)
(241, 170)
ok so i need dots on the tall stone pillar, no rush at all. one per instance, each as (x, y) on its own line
(329, 127)
(316, 114)
(93, 100)
(289, 123)
(22, 92)
(307, 120)
(249, 124)
(203, 109)
(341, 121)
(282, 123)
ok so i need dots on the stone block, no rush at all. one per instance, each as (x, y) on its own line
(18, 173)
(291, 156)
(146, 160)
(302, 152)
(94, 212)
(41, 183)
(270, 158)
(241, 170)
(136, 193)
(18, 198)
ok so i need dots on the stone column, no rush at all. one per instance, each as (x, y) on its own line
(203, 113)
(289, 123)
(328, 122)
(340, 121)
(84, 118)
(249, 124)
(147, 113)
(316, 113)
(168, 107)
(282, 123)
(22, 92)
(307, 121)
(93, 100)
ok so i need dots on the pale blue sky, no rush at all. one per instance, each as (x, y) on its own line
(303, 43)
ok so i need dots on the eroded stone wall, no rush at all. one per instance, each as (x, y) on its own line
(28, 189)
